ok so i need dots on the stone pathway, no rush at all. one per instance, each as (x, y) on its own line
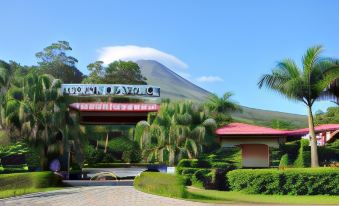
(98, 196)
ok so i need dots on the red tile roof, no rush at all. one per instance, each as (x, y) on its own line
(248, 129)
(320, 128)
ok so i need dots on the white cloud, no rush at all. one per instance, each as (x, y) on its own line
(209, 79)
(133, 53)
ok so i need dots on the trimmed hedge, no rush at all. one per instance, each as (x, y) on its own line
(304, 155)
(161, 184)
(28, 180)
(284, 161)
(310, 181)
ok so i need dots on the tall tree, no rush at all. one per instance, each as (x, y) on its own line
(118, 72)
(54, 60)
(122, 72)
(306, 85)
(97, 73)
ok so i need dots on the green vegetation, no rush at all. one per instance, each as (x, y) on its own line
(53, 60)
(331, 116)
(209, 171)
(172, 186)
(178, 130)
(118, 72)
(160, 184)
(23, 183)
(221, 107)
(284, 161)
(306, 85)
(309, 181)
(228, 197)
(303, 159)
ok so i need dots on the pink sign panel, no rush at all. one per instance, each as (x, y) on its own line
(114, 107)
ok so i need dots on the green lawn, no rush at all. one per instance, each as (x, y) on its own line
(23, 191)
(215, 196)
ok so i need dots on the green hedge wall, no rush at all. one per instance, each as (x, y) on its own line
(310, 181)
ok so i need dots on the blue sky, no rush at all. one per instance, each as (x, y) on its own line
(219, 45)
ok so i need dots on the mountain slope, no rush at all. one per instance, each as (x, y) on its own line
(175, 87)
(171, 85)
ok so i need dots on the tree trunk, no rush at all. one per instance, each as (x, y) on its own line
(96, 148)
(106, 143)
(313, 139)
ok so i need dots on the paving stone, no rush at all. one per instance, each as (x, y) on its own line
(99, 196)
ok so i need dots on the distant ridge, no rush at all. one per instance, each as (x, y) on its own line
(175, 87)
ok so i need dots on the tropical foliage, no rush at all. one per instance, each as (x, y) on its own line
(331, 116)
(54, 60)
(178, 130)
(221, 107)
(39, 111)
(118, 72)
(305, 85)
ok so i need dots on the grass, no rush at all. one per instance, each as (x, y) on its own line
(23, 191)
(214, 196)
(24, 183)
(172, 186)
(160, 184)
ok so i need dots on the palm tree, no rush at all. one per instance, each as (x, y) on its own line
(332, 89)
(222, 104)
(220, 108)
(41, 114)
(6, 76)
(179, 130)
(306, 85)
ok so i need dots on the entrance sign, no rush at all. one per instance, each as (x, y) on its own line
(110, 89)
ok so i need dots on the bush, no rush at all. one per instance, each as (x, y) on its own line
(283, 161)
(328, 155)
(198, 163)
(201, 178)
(161, 184)
(131, 156)
(309, 181)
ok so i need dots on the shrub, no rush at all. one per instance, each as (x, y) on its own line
(131, 156)
(92, 155)
(198, 163)
(328, 154)
(201, 178)
(310, 181)
(161, 184)
(303, 159)
(188, 163)
(283, 161)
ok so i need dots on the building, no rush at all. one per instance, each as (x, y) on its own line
(255, 141)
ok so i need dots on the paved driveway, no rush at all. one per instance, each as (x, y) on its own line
(98, 196)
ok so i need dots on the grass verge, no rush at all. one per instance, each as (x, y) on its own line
(172, 186)
(215, 196)
(160, 184)
(24, 183)
(23, 191)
